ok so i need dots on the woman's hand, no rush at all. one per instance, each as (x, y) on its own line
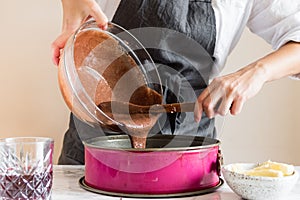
(229, 93)
(75, 12)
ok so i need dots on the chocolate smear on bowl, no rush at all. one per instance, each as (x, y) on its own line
(107, 72)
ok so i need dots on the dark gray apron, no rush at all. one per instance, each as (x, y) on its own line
(181, 39)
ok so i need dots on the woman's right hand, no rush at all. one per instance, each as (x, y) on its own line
(76, 12)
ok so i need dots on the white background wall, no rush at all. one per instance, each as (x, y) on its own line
(31, 103)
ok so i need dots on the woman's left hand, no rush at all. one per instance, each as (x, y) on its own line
(229, 92)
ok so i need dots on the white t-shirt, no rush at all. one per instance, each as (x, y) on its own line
(276, 21)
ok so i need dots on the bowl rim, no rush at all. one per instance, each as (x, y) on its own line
(90, 143)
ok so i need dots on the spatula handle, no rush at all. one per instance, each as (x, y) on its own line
(172, 108)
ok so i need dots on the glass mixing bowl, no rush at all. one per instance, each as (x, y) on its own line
(102, 65)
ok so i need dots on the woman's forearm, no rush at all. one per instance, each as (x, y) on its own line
(281, 63)
(230, 92)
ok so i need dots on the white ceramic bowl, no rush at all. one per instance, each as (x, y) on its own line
(257, 187)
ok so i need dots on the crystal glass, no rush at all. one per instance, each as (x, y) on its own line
(26, 168)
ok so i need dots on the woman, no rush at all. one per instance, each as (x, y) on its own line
(216, 26)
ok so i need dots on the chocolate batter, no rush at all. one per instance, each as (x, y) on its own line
(109, 73)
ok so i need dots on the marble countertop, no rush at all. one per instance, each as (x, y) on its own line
(66, 178)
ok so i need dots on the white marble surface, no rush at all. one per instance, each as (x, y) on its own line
(66, 187)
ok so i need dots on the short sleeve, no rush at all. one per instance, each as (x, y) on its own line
(276, 21)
